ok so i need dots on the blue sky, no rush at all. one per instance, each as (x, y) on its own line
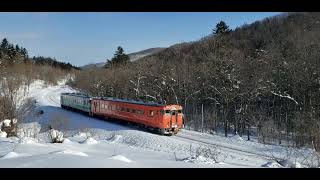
(82, 38)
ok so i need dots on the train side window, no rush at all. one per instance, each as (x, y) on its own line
(118, 108)
(140, 111)
(167, 111)
(179, 111)
(123, 109)
(151, 113)
(133, 110)
(128, 110)
(113, 108)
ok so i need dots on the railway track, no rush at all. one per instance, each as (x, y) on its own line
(248, 153)
(245, 152)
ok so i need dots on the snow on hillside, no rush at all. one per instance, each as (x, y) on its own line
(92, 142)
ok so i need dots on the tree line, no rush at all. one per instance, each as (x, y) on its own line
(10, 54)
(40, 60)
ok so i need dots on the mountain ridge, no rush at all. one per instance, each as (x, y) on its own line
(133, 57)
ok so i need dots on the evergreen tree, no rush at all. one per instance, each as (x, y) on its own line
(4, 44)
(119, 58)
(221, 28)
(11, 51)
(3, 47)
(24, 52)
(17, 48)
(108, 64)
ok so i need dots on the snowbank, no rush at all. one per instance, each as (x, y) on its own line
(121, 158)
(199, 159)
(28, 140)
(90, 141)
(272, 165)
(72, 152)
(237, 137)
(283, 164)
(67, 141)
(11, 155)
(3, 134)
(289, 164)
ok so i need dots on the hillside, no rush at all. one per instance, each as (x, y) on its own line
(263, 76)
(133, 57)
(140, 54)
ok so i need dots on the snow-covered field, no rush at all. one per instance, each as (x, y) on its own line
(95, 143)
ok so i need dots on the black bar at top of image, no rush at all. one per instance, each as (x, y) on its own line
(157, 5)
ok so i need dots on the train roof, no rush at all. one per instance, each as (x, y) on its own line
(130, 101)
(77, 94)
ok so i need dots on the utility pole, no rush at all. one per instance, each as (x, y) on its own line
(201, 117)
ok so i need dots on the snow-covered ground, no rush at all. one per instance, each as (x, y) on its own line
(96, 143)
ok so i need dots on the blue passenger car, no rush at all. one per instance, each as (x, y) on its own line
(75, 101)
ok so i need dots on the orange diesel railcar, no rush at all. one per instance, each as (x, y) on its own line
(167, 119)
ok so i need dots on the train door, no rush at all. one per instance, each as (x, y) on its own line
(95, 106)
(173, 119)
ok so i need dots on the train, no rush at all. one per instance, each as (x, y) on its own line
(160, 118)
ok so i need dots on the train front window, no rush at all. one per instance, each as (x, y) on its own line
(180, 111)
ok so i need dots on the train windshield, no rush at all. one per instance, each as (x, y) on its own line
(171, 112)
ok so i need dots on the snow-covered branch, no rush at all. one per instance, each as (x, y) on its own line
(285, 96)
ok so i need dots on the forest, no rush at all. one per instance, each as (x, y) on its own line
(260, 79)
